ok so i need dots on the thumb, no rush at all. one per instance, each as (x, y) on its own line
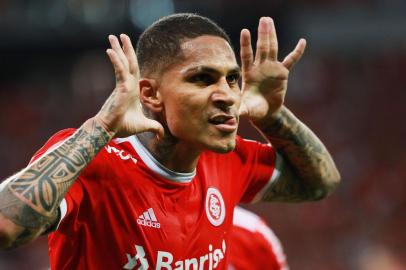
(243, 109)
(154, 126)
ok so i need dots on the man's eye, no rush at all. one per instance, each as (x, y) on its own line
(233, 79)
(202, 78)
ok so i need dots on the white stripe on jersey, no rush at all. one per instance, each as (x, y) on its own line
(152, 214)
(279, 164)
(63, 208)
(146, 216)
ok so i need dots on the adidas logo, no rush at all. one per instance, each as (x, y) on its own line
(148, 219)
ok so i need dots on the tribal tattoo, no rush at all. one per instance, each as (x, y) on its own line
(31, 197)
(309, 169)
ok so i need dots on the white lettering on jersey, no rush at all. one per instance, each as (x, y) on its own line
(148, 219)
(120, 153)
(215, 208)
(140, 256)
(164, 260)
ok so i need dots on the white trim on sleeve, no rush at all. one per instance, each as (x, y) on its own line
(63, 208)
(279, 164)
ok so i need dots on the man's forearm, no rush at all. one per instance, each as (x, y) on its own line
(305, 154)
(31, 197)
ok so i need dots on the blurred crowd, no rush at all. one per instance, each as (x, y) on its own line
(351, 94)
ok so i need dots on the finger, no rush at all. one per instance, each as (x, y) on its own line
(118, 66)
(246, 53)
(155, 126)
(273, 41)
(130, 54)
(262, 50)
(243, 109)
(115, 45)
(292, 58)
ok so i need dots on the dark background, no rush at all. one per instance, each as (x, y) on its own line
(349, 88)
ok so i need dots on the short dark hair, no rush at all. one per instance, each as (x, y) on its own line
(159, 46)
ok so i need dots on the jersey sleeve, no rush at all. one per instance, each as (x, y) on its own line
(260, 166)
(53, 142)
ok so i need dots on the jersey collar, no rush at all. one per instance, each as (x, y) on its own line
(154, 164)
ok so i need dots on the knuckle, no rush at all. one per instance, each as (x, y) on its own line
(262, 47)
(246, 56)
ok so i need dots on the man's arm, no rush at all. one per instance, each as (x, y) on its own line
(29, 200)
(309, 172)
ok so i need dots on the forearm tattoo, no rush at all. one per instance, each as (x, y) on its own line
(31, 198)
(305, 155)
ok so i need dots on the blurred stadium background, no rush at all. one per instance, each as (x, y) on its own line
(349, 88)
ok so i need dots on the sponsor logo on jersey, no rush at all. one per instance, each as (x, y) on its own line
(149, 219)
(215, 208)
(120, 153)
(164, 260)
(138, 258)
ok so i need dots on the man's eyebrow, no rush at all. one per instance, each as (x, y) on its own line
(236, 70)
(206, 69)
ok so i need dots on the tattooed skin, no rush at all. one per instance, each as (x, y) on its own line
(310, 172)
(31, 198)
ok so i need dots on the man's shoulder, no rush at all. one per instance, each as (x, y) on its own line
(53, 141)
(59, 136)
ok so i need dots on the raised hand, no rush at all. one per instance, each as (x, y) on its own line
(122, 113)
(264, 77)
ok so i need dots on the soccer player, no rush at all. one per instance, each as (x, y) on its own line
(151, 181)
(253, 245)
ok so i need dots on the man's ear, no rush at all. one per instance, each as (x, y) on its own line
(149, 94)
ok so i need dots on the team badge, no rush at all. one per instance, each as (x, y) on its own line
(215, 208)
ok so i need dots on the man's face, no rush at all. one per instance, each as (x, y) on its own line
(201, 96)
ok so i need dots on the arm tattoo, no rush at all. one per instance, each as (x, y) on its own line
(309, 169)
(31, 197)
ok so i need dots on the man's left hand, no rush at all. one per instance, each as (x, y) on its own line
(265, 79)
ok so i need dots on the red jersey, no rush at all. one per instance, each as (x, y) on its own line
(253, 245)
(127, 211)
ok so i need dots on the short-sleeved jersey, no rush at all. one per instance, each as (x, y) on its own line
(253, 245)
(127, 211)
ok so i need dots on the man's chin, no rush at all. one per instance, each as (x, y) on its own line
(222, 147)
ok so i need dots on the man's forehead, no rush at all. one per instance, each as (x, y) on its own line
(210, 51)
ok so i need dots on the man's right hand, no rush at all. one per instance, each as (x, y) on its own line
(121, 114)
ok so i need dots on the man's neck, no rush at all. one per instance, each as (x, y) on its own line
(170, 152)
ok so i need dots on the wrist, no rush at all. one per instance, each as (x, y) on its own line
(270, 120)
(276, 128)
(98, 121)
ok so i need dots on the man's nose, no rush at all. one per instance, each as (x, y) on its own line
(224, 96)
